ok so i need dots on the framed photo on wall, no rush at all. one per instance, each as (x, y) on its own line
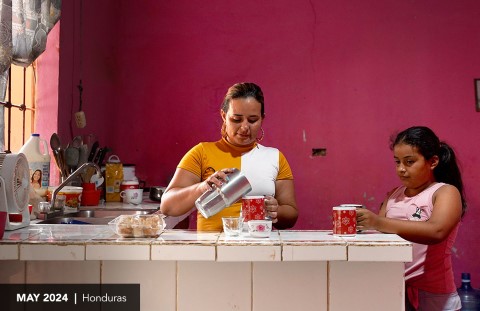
(477, 94)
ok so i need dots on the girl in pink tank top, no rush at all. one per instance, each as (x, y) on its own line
(425, 210)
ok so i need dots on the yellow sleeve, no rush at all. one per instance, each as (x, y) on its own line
(192, 160)
(284, 171)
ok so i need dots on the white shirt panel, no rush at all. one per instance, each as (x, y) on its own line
(261, 165)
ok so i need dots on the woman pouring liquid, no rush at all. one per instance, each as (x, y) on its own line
(208, 164)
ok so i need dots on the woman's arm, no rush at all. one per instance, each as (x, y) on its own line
(447, 211)
(180, 195)
(185, 187)
(282, 208)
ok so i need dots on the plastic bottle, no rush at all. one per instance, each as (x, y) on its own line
(469, 296)
(38, 163)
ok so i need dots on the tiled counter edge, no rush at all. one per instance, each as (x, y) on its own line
(80, 242)
(311, 265)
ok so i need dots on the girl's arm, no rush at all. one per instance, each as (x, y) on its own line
(447, 210)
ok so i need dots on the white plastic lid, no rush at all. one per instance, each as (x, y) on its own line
(130, 182)
(344, 208)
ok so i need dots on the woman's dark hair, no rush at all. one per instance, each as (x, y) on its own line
(243, 90)
(428, 145)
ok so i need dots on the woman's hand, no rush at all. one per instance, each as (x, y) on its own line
(218, 179)
(271, 207)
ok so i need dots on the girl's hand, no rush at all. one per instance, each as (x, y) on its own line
(366, 219)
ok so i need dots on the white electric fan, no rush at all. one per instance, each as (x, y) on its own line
(14, 188)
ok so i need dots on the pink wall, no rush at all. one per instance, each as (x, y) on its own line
(47, 93)
(342, 75)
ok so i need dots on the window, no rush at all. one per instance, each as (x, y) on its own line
(20, 118)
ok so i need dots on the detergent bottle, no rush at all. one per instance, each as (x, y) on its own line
(38, 163)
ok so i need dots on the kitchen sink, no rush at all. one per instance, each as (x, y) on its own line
(76, 221)
(95, 216)
(109, 213)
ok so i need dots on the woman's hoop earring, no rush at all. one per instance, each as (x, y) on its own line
(263, 135)
(223, 131)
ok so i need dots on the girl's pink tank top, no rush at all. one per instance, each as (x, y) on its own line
(431, 267)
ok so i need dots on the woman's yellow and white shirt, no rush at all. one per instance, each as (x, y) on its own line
(261, 165)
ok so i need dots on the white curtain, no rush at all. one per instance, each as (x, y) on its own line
(24, 26)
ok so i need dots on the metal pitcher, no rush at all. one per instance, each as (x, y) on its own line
(216, 199)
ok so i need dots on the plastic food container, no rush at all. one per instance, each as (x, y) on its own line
(71, 196)
(138, 226)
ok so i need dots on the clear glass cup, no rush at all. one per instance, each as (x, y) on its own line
(232, 226)
(44, 207)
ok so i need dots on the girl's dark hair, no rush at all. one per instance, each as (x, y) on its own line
(428, 145)
(243, 90)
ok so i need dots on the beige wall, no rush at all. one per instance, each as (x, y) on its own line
(17, 135)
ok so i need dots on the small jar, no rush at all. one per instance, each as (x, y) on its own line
(129, 184)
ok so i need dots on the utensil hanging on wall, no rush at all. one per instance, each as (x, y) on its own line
(72, 155)
(77, 142)
(80, 118)
(59, 154)
(93, 151)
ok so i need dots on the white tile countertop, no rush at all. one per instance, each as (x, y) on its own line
(315, 268)
(99, 242)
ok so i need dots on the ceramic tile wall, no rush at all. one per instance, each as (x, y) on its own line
(312, 246)
(247, 248)
(12, 271)
(378, 247)
(157, 281)
(185, 245)
(183, 252)
(359, 252)
(63, 272)
(189, 270)
(9, 251)
(53, 251)
(101, 251)
(350, 290)
(290, 286)
(209, 286)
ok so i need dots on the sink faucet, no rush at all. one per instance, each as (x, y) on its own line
(74, 175)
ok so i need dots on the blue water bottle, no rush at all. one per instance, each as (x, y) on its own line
(469, 296)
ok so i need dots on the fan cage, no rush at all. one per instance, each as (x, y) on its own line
(15, 175)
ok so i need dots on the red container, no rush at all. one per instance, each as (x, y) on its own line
(253, 208)
(88, 186)
(344, 220)
(3, 221)
(15, 217)
(90, 196)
